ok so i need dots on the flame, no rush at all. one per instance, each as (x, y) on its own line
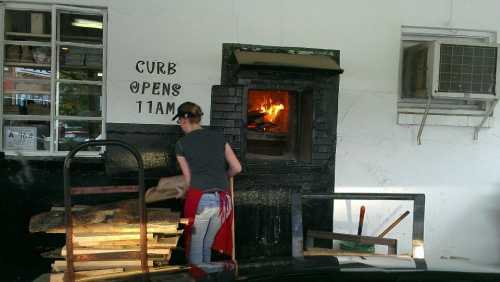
(271, 110)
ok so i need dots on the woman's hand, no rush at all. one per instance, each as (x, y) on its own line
(181, 193)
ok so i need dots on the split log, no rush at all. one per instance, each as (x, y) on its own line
(107, 228)
(127, 255)
(123, 214)
(103, 237)
(107, 237)
(128, 275)
(88, 251)
(167, 188)
(60, 265)
(123, 244)
(80, 275)
(254, 118)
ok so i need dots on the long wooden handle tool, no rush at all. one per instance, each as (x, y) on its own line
(361, 220)
(396, 222)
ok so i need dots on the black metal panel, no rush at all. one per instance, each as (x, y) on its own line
(156, 144)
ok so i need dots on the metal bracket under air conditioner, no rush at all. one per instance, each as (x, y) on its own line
(490, 106)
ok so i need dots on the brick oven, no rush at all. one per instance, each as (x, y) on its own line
(277, 107)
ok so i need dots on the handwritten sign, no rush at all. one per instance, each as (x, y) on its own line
(154, 97)
(20, 138)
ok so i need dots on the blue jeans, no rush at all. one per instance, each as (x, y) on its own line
(207, 223)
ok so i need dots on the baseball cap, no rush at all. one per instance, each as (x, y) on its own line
(188, 110)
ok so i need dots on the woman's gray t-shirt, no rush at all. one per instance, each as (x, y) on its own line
(204, 152)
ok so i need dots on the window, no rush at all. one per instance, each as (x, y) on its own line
(54, 77)
(453, 70)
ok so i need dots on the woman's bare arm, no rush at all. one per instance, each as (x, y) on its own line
(186, 172)
(232, 160)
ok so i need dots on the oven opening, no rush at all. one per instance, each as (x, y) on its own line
(276, 124)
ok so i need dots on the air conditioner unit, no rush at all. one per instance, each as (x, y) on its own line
(463, 71)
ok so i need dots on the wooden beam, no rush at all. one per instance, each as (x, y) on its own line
(117, 228)
(124, 244)
(123, 255)
(92, 237)
(121, 214)
(60, 265)
(125, 275)
(396, 222)
(335, 252)
(350, 237)
(89, 251)
(81, 275)
(390, 243)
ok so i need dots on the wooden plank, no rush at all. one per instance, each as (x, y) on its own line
(104, 189)
(59, 277)
(128, 275)
(122, 214)
(124, 244)
(120, 244)
(335, 252)
(87, 251)
(396, 222)
(92, 237)
(390, 243)
(123, 255)
(116, 228)
(60, 265)
(350, 237)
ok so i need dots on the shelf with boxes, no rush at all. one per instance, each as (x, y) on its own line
(27, 56)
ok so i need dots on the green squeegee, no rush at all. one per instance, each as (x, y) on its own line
(357, 247)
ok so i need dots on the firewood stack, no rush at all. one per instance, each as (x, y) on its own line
(106, 238)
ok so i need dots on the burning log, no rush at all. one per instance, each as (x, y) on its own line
(255, 116)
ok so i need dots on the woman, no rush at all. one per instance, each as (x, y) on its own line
(206, 161)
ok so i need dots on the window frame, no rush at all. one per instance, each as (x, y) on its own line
(443, 104)
(54, 44)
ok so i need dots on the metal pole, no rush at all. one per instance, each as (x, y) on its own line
(424, 118)
(491, 107)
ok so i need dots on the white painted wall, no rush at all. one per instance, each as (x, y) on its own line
(459, 177)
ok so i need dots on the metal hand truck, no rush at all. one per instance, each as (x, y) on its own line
(69, 274)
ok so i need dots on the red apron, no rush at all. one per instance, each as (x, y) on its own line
(223, 242)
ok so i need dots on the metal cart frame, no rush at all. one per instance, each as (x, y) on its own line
(69, 274)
